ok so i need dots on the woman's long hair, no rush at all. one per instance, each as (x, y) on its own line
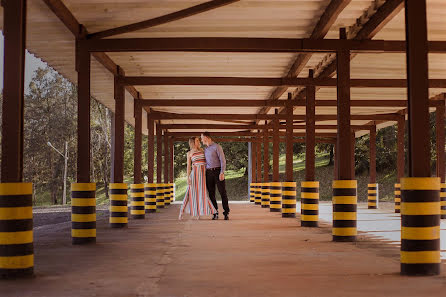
(192, 142)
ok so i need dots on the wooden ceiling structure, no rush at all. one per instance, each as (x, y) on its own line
(176, 80)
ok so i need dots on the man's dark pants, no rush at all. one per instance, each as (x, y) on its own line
(212, 179)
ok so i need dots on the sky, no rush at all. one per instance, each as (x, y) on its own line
(31, 65)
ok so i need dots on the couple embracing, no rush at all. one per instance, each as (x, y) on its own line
(205, 171)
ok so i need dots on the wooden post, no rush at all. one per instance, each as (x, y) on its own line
(400, 148)
(159, 153)
(353, 143)
(254, 161)
(310, 139)
(289, 140)
(171, 161)
(259, 157)
(420, 251)
(150, 149)
(276, 143)
(372, 148)
(137, 156)
(344, 188)
(265, 154)
(440, 140)
(118, 134)
(166, 154)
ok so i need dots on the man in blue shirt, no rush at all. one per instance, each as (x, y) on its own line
(215, 173)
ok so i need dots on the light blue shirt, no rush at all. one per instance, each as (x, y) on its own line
(215, 157)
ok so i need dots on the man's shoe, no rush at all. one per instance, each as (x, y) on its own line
(215, 217)
(226, 217)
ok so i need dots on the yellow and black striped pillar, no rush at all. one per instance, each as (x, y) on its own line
(275, 197)
(397, 198)
(265, 195)
(150, 197)
(258, 194)
(309, 204)
(288, 200)
(443, 201)
(137, 204)
(166, 195)
(251, 192)
(344, 210)
(83, 213)
(118, 205)
(16, 230)
(372, 196)
(171, 192)
(420, 226)
(159, 196)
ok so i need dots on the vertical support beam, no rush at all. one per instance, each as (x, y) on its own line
(440, 140)
(310, 133)
(420, 251)
(83, 60)
(276, 143)
(137, 156)
(14, 14)
(118, 133)
(289, 140)
(336, 161)
(372, 187)
(250, 181)
(150, 149)
(344, 150)
(16, 223)
(171, 161)
(353, 144)
(254, 161)
(372, 151)
(159, 153)
(344, 188)
(265, 154)
(400, 148)
(166, 154)
(259, 157)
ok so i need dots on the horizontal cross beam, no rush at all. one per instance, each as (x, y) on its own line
(240, 44)
(272, 103)
(253, 139)
(249, 134)
(268, 82)
(251, 127)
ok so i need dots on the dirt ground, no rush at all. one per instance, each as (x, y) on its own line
(256, 253)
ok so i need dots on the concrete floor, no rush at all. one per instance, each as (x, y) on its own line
(256, 253)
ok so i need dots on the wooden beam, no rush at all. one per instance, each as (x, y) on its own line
(257, 103)
(150, 149)
(252, 127)
(289, 141)
(174, 16)
(323, 117)
(255, 141)
(241, 44)
(71, 23)
(159, 153)
(249, 134)
(310, 131)
(440, 141)
(276, 148)
(137, 150)
(401, 123)
(265, 155)
(269, 82)
(331, 13)
(372, 152)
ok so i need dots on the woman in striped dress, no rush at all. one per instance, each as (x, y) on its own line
(196, 201)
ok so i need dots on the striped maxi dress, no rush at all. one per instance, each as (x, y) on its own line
(196, 201)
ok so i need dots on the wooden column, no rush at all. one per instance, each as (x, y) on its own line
(137, 156)
(353, 143)
(265, 154)
(336, 161)
(420, 251)
(159, 153)
(372, 148)
(276, 143)
(118, 122)
(166, 154)
(310, 139)
(259, 157)
(171, 161)
(440, 137)
(150, 149)
(14, 20)
(289, 140)
(344, 144)
(254, 161)
(400, 148)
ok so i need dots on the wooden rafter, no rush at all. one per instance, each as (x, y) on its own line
(68, 19)
(184, 13)
(251, 127)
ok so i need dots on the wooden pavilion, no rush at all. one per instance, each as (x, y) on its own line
(255, 71)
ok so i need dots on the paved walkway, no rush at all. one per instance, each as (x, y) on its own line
(256, 253)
